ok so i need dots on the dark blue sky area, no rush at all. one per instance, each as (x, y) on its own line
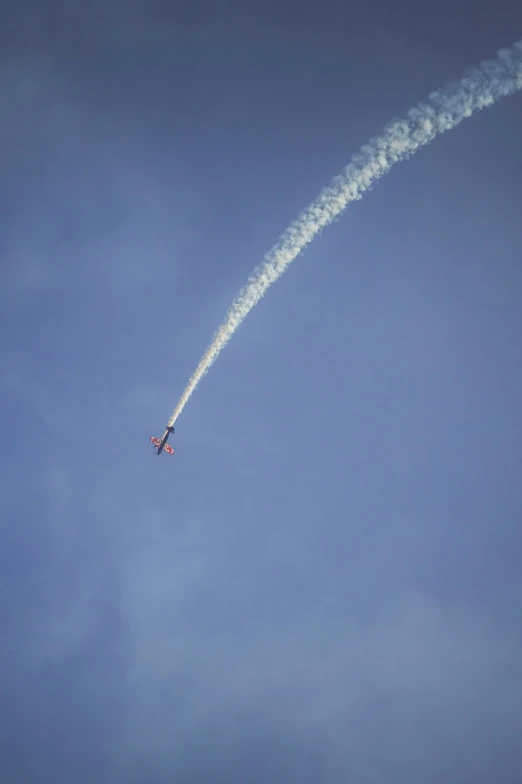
(323, 584)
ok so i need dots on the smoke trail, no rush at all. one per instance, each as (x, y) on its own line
(480, 87)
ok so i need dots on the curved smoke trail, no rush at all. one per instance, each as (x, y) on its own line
(480, 87)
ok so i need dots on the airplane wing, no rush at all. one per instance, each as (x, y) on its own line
(168, 449)
(154, 440)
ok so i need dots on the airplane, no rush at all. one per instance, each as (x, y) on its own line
(160, 444)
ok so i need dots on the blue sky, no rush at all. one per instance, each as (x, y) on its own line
(323, 584)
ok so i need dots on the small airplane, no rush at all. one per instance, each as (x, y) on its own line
(160, 444)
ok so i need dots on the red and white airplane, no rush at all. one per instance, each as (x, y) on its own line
(160, 444)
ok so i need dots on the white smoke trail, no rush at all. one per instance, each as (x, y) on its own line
(480, 87)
